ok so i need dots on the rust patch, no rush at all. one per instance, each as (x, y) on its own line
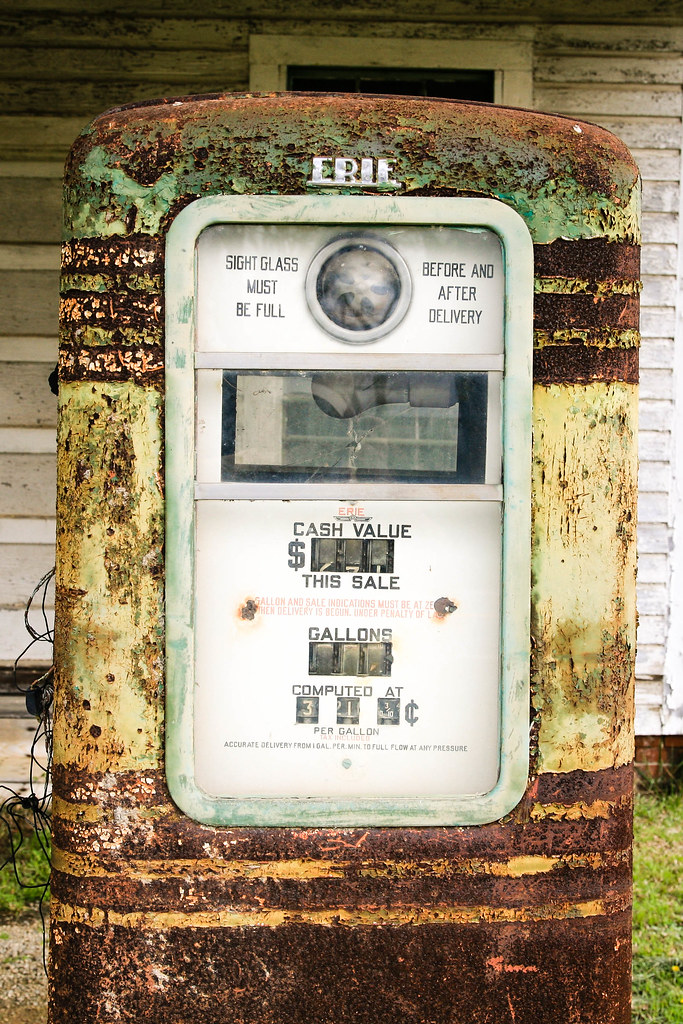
(580, 310)
(582, 364)
(111, 255)
(400, 887)
(249, 609)
(595, 258)
(129, 814)
(299, 973)
(138, 363)
(112, 309)
(444, 606)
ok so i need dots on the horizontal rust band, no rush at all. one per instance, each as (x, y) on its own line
(203, 886)
(112, 309)
(594, 258)
(354, 917)
(581, 310)
(298, 973)
(574, 364)
(143, 364)
(170, 836)
(147, 788)
(560, 814)
(106, 864)
(114, 255)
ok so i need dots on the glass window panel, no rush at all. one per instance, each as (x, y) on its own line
(340, 425)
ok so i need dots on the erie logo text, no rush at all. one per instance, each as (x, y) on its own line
(340, 171)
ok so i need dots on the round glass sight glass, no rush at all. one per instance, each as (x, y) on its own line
(358, 288)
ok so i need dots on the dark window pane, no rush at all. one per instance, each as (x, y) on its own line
(455, 84)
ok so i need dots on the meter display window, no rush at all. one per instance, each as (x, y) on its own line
(342, 424)
(349, 562)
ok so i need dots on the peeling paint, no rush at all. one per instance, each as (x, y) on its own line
(585, 480)
(110, 577)
(95, 917)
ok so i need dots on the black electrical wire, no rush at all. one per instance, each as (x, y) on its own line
(22, 815)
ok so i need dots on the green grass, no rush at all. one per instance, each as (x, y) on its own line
(658, 909)
(30, 869)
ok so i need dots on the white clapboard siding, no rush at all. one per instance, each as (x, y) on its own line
(28, 485)
(25, 396)
(659, 290)
(17, 732)
(654, 445)
(30, 208)
(628, 79)
(653, 537)
(22, 566)
(653, 598)
(659, 259)
(14, 638)
(656, 384)
(657, 352)
(658, 164)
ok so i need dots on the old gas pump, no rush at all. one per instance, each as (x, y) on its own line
(359, 745)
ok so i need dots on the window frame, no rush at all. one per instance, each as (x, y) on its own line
(511, 60)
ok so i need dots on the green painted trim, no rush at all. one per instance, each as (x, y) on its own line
(180, 333)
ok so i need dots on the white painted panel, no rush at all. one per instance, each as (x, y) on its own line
(591, 103)
(654, 537)
(657, 164)
(660, 196)
(659, 259)
(648, 718)
(30, 207)
(653, 568)
(25, 439)
(654, 446)
(22, 566)
(659, 290)
(46, 138)
(14, 639)
(655, 414)
(652, 598)
(660, 228)
(34, 349)
(25, 396)
(654, 476)
(29, 257)
(658, 322)
(607, 68)
(28, 485)
(657, 353)
(656, 384)
(644, 132)
(653, 508)
(16, 739)
(652, 629)
(32, 169)
(649, 662)
(597, 40)
(27, 531)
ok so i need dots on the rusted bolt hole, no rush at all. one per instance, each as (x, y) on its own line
(249, 609)
(444, 606)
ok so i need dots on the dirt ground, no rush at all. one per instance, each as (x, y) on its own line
(23, 985)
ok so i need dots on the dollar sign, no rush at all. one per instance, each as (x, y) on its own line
(410, 716)
(296, 550)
